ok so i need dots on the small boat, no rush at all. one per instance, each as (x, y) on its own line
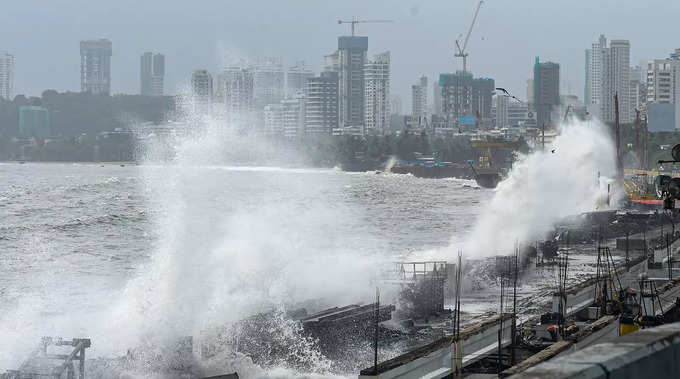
(486, 177)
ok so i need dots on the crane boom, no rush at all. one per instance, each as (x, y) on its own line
(355, 21)
(472, 24)
(461, 51)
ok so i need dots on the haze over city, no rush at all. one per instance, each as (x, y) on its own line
(192, 35)
(374, 189)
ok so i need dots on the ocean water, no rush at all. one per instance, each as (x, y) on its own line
(137, 256)
(128, 255)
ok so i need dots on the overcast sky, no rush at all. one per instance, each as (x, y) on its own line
(44, 36)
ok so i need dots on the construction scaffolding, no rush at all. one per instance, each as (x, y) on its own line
(422, 287)
(607, 284)
(651, 310)
(46, 362)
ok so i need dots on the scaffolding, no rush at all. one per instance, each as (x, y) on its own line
(45, 362)
(648, 317)
(422, 286)
(608, 283)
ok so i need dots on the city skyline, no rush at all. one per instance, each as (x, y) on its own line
(419, 31)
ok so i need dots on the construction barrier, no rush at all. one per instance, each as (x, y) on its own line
(437, 359)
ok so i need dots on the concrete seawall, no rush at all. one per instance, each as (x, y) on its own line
(649, 353)
(435, 360)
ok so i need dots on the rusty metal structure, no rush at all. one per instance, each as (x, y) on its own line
(422, 287)
(47, 362)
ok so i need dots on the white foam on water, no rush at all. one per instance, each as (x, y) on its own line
(546, 186)
(212, 268)
(218, 259)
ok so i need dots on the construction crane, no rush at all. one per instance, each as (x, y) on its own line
(461, 51)
(355, 21)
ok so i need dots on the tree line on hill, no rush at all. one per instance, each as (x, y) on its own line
(78, 118)
(74, 113)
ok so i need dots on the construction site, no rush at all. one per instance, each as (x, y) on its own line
(599, 292)
(597, 296)
(601, 278)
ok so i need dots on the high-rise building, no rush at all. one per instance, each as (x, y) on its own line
(546, 91)
(294, 116)
(530, 90)
(332, 62)
(675, 57)
(663, 91)
(6, 75)
(638, 73)
(236, 90)
(273, 119)
(95, 66)
(419, 98)
(296, 78)
(321, 110)
(619, 66)
(594, 83)
(437, 98)
(287, 118)
(395, 105)
(202, 87)
(466, 101)
(502, 103)
(660, 81)
(152, 72)
(520, 115)
(377, 94)
(608, 74)
(268, 82)
(511, 113)
(351, 61)
(636, 88)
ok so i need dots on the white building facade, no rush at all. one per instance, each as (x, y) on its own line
(6, 75)
(377, 94)
(321, 109)
(419, 98)
(296, 78)
(273, 120)
(660, 81)
(268, 82)
(502, 103)
(608, 74)
(235, 90)
(293, 116)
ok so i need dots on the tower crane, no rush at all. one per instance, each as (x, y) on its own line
(461, 50)
(355, 21)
